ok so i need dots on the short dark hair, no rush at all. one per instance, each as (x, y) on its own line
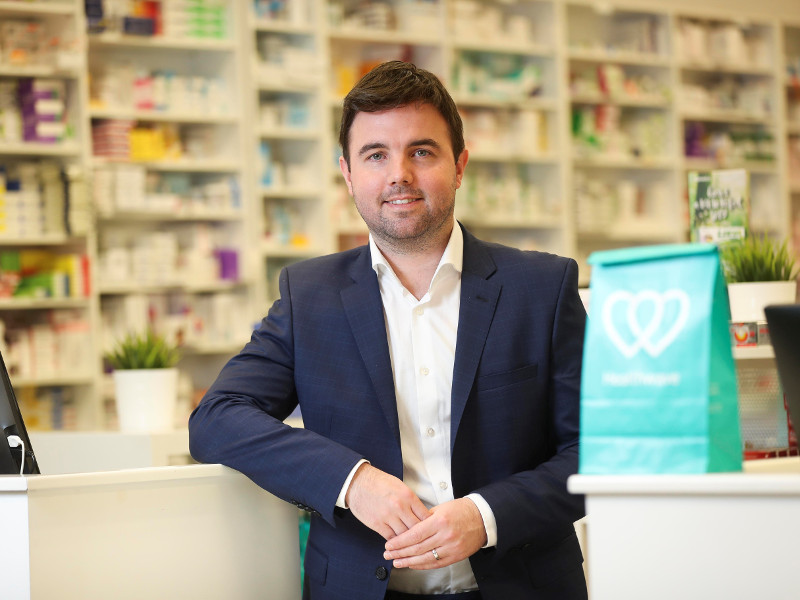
(394, 84)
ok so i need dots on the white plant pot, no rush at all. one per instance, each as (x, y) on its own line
(749, 299)
(146, 399)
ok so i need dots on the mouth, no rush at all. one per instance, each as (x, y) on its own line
(401, 201)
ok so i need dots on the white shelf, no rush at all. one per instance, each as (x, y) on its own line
(53, 381)
(726, 116)
(184, 165)
(513, 157)
(281, 26)
(290, 192)
(500, 222)
(487, 101)
(38, 71)
(622, 58)
(753, 352)
(42, 303)
(39, 149)
(707, 164)
(55, 239)
(119, 40)
(384, 36)
(633, 101)
(40, 9)
(276, 250)
(733, 69)
(115, 289)
(166, 116)
(623, 162)
(504, 47)
(289, 133)
(188, 216)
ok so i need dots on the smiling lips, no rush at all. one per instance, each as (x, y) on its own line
(401, 201)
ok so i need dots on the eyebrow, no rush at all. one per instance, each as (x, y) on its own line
(380, 146)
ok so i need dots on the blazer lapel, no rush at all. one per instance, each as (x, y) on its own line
(478, 303)
(364, 309)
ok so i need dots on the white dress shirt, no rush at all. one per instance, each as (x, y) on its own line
(422, 344)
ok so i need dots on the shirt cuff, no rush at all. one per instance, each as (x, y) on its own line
(340, 501)
(489, 522)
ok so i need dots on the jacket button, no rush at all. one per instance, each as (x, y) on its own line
(381, 573)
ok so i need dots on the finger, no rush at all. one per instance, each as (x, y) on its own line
(415, 535)
(418, 549)
(426, 560)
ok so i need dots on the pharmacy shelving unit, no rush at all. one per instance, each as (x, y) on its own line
(49, 336)
(504, 75)
(171, 191)
(357, 37)
(729, 111)
(790, 80)
(286, 60)
(622, 142)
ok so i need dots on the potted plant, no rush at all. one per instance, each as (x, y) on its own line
(760, 271)
(145, 382)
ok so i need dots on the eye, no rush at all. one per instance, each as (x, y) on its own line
(375, 156)
(422, 152)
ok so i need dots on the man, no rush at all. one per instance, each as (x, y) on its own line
(438, 377)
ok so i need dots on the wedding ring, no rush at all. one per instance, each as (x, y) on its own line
(436, 554)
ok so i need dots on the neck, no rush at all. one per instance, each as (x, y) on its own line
(415, 265)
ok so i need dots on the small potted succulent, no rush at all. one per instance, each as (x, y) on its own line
(145, 382)
(759, 271)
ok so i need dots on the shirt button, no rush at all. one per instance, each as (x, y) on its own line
(418, 311)
(442, 485)
(381, 573)
(424, 370)
(431, 432)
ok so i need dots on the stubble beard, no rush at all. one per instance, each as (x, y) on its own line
(394, 234)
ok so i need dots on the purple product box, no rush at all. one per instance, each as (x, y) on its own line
(228, 263)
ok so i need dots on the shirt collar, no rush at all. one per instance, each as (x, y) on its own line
(453, 254)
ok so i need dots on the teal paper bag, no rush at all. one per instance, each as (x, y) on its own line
(658, 389)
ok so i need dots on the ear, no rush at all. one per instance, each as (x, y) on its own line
(461, 164)
(346, 173)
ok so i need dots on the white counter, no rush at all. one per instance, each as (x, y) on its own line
(704, 537)
(201, 531)
(60, 452)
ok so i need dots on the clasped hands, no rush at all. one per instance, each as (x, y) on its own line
(388, 506)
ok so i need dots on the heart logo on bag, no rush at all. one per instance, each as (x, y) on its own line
(646, 337)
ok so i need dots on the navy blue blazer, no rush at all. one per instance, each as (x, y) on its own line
(515, 410)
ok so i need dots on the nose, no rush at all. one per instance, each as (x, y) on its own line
(400, 171)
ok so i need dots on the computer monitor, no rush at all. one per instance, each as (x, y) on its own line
(15, 458)
(784, 331)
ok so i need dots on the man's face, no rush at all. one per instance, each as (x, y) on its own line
(403, 176)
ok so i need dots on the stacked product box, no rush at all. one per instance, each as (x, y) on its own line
(43, 107)
(195, 18)
(111, 138)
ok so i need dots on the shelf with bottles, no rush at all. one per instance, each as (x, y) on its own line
(594, 83)
(40, 39)
(633, 206)
(199, 322)
(598, 32)
(131, 193)
(288, 116)
(518, 135)
(202, 22)
(292, 227)
(196, 258)
(507, 196)
(724, 145)
(39, 116)
(720, 45)
(732, 98)
(290, 16)
(287, 58)
(395, 21)
(621, 136)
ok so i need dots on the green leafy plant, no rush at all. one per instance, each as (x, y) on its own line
(757, 258)
(143, 351)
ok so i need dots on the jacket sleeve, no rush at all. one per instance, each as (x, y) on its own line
(533, 507)
(239, 424)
